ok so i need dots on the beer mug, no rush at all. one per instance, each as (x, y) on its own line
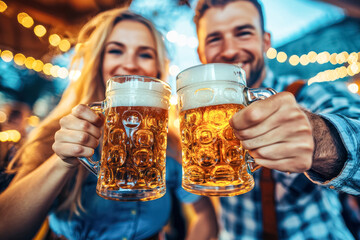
(213, 160)
(132, 164)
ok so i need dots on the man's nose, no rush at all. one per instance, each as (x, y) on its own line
(229, 52)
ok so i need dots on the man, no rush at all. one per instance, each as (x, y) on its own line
(281, 135)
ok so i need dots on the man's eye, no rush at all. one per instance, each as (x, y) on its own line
(115, 51)
(243, 33)
(214, 39)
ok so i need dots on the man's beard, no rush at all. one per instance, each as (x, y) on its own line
(255, 74)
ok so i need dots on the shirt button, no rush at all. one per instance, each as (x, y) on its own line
(332, 187)
(133, 212)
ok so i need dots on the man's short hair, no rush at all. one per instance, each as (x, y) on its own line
(204, 5)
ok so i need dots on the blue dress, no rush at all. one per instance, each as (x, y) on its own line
(108, 219)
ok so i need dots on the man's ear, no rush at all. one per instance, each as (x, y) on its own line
(201, 56)
(267, 41)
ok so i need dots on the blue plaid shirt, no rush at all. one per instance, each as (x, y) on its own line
(304, 210)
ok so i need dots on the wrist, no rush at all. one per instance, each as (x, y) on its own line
(329, 152)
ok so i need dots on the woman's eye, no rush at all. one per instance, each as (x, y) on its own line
(146, 55)
(115, 51)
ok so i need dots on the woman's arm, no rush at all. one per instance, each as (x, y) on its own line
(204, 225)
(25, 203)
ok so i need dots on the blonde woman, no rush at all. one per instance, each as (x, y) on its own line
(51, 182)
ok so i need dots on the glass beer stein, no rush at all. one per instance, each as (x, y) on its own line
(213, 160)
(132, 164)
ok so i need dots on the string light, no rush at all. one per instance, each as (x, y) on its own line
(34, 64)
(313, 57)
(10, 136)
(3, 6)
(33, 121)
(39, 30)
(353, 87)
(6, 56)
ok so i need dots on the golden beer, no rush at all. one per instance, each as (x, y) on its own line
(134, 150)
(213, 159)
(214, 162)
(132, 163)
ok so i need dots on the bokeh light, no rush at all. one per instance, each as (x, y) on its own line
(39, 30)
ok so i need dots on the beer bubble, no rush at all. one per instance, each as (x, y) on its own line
(153, 177)
(222, 175)
(107, 177)
(186, 136)
(207, 157)
(205, 135)
(194, 175)
(143, 138)
(192, 118)
(111, 118)
(152, 122)
(117, 156)
(131, 119)
(216, 117)
(143, 158)
(187, 157)
(234, 155)
(162, 140)
(228, 133)
(126, 177)
(117, 136)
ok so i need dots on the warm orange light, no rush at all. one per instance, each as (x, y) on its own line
(47, 67)
(19, 59)
(21, 16)
(29, 62)
(6, 56)
(54, 40)
(271, 53)
(27, 22)
(39, 30)
(294, 60)
(33, 121)
(281, 57)
(38, 65)
(3, 6)
(64, 45)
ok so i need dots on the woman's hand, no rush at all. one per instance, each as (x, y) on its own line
(78, 136)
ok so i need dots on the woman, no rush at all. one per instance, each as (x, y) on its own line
(50, 180)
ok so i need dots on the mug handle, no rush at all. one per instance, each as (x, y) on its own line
(252, 95)
(88, 162)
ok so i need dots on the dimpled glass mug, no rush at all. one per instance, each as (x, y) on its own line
(213, 160)
(132, 165)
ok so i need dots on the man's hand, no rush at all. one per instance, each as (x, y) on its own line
(277, 133)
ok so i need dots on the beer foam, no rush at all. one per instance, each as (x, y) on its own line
(211, 93)
(210, 72)
(210, 84)
(138, 93)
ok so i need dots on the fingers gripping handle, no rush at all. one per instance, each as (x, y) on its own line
(253, 95)
(88, 162)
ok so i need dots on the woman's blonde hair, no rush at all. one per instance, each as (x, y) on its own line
(89, 87)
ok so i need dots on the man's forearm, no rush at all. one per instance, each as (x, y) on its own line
(329, 153)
